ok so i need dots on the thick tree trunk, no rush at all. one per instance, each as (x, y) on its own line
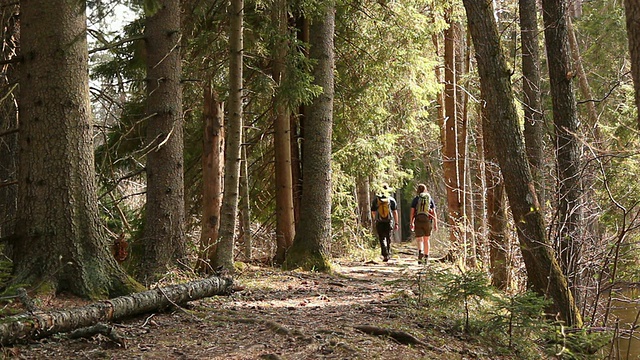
(9, 121)
(311, 246)
(163, 242)
(632, 15)
(228, 220)
(285, 226)
(212, 160)
(498, 238)
(533, 121)
(58, 243)
(568, 150)
(39, 325)
(543, 271)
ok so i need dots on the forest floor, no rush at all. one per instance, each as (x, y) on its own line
(286, 315)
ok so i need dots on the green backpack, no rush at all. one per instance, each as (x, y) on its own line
(424, 202)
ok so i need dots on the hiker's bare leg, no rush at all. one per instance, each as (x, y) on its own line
(426, 245)
(420, 246)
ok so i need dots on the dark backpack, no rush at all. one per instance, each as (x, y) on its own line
(424, 204)
(384, 209)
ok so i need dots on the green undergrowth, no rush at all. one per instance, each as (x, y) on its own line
(463, 304)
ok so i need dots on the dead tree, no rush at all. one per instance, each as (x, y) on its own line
(38, 325)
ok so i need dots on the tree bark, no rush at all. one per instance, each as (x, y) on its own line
(43, 324)
(568, 152)
(245, 207)
(311, 246)
(543, 271)
(498, 238)
(454, 139)
(9, 120)
(285, 226)
(533, 120)
(632, 15)
(164, 239)
(228, 220)
(58, 243)
(364, 201)
(212, 160)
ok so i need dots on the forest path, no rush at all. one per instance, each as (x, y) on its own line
(285, 315)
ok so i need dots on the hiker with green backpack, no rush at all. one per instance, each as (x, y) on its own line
(423, 220)
(384, 211)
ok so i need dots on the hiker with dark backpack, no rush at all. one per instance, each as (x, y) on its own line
(423, 220)
(384, 211)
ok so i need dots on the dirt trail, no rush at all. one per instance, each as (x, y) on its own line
(281, 315)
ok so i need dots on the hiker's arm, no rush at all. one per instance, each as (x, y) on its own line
(435, 220)
(412, 225)
(395, 216)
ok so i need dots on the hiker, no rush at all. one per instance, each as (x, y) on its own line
(423, 220)
(384, 211)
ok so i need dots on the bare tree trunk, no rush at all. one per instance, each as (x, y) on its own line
(311, 246)
(9, 120)
(364, 201)
(534, 128)
(245, 206)
(224, 252)
(212, 160)
(164, 239)
(543, 271)
(43, 324)
(632, 15)
(285, 226)
(453, 152)
(568, 150)
(583, 81)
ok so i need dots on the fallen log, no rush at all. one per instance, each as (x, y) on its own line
(39, 325)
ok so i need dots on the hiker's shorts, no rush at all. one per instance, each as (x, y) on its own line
(423, 225)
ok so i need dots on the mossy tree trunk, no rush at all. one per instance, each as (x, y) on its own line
(568, 146)
(534, 128)
(543, 272)
(38, 325)
(58, 243)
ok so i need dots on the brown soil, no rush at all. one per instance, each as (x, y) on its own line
(283, 315)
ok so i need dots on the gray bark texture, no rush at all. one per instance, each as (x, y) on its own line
(533, 121)
(543, 271)
(39, 325)
(311, 246)
(163, 241)
(568, 146)
(58, 242)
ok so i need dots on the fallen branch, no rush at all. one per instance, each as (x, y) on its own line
(103, 329)
(42, 324)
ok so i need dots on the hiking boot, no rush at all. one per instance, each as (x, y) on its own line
(420, 256)
(385, 259)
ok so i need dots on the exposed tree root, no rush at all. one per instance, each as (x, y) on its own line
(400, 336)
